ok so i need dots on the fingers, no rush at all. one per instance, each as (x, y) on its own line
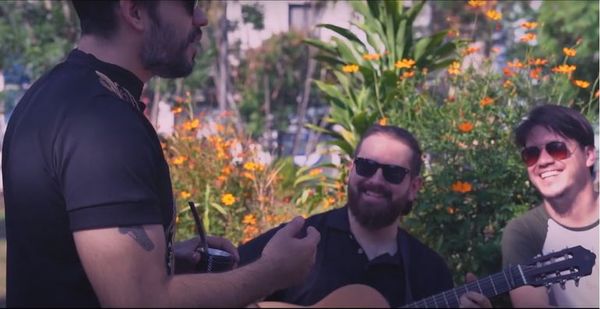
(470, 277)
(225, 245)
(312, 236)
(474, 300)
(293, 227)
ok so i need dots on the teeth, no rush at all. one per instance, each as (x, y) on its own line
(548, 174)
(375, 194)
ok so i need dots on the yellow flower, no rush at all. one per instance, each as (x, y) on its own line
(249, 219)
(371, 56)
(581, 83)
(408, 74)
(507, 84)
(350, 68)
(461, 187)
(184, 195)
(177, 109)
(250, 166)
(538, 61)
(529, 25)
(465, 127)
(515, 64)
(248, 175)
(493, 15)
(569, 52)
(405, 63)
(191, 125)
(383, 121)
(486, 101)
(315, 172)
(179, 160)
(528, 37)
(564, 69)
(476, 3)
(454, 68)
(227, 199)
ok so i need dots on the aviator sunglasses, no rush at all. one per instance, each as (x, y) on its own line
(392, 173)
(556, 149)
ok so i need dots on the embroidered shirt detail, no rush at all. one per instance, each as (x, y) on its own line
(119, 91)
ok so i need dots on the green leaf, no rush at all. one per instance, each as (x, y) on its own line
(219, 208)
(316, 128)
(345, 146)
(345, 52)
(330, 48)
(334, 62)
(328, 89)
(361, 122)
(345, 33)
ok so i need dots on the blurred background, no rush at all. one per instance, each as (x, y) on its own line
(264, 127)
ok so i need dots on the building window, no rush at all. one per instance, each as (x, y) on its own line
(298, 16)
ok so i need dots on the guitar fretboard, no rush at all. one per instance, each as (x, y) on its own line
(490, 286)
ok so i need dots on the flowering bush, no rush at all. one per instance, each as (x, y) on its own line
(232, 182)
(463, 115)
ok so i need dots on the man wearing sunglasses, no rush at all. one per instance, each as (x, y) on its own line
(557, 148)
(89, 205)
(362, 242)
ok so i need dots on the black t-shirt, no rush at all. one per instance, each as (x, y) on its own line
(413, 273)
(78, 154)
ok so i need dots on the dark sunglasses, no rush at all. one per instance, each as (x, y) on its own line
(556, 149)
(190, 5)
(392, 173)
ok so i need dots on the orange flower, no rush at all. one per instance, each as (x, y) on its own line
(454, 68)
(535, 73)
(528, 37)
(465, 127)
(564, 69)
(476, 3)
(451, 210)
(493, 15)
(453, 33)
(184, 195)
(581, 83)
(462, 187)
(383, 121)
(249, 219)
(371, 56)
(486, 101)
(250, 166)
(179, 160)
(350, 68)
(515, 64)
(508, 72)
(569, 52)
(408, 74)
(315, 172)
(507, 84)
(227, 199)
(529, 25)
(191, 125)
(470, 50)
(404, 63)
(538, 61)
(176, 109)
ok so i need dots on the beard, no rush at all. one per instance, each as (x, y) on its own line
(164, 55)
(374, 217)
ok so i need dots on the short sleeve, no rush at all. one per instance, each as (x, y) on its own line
(520, 241)
(107, 162)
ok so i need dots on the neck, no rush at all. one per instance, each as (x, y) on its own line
(374, 242)
(577, 210)
(115, 51)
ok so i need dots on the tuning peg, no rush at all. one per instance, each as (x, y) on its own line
(576, 281)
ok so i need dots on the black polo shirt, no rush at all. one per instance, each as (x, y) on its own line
(78, 154)
(413, 273)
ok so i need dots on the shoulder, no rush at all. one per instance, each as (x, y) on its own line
(524, 236)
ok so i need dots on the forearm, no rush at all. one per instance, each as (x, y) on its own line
(236, 288)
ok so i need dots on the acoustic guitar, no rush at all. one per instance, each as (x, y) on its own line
(558, 267)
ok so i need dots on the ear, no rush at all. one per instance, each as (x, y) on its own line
(415, 185)
(132, 14)
(590, 155)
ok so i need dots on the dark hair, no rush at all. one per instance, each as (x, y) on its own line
(399, 134)
(564, 121)
(98, 17)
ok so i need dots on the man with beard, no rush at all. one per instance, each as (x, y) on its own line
(89, 205)
(362, 242)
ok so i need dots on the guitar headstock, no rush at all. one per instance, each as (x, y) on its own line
(559, 267)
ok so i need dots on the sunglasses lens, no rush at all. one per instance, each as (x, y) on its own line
(557, 150)
(530, 155)
(394, 174)
(365, 167)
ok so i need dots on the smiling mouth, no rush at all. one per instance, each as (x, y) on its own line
(549, 174)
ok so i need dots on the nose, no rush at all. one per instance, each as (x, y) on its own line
(199, 19)
(544, 158)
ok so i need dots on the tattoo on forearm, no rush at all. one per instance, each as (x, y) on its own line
(139, 235)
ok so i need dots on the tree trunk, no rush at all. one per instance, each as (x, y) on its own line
(303, 106)
(222, 70)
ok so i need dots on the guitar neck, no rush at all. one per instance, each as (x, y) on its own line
(490, 286)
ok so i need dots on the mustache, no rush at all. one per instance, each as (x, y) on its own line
(196, 33)
(376, 188)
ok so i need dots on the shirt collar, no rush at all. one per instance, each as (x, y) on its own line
(121, 76)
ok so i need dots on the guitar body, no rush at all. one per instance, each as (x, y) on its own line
(349, 296)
